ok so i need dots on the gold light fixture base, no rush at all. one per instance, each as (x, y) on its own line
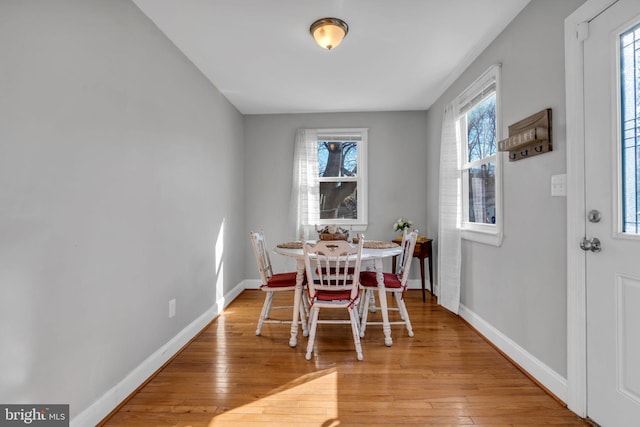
(329, 32)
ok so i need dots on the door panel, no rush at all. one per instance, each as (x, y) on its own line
(613, 273)
(628, 342)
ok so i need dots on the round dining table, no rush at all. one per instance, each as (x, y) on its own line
(373, 252)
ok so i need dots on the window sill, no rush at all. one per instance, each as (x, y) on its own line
(487, 238)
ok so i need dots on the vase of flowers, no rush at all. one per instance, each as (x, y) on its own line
(401, 224)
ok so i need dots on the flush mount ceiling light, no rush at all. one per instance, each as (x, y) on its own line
(329, 32)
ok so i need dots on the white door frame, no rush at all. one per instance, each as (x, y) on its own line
(575, 32)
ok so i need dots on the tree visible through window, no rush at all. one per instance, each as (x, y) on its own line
(480, 166)
(338, 178)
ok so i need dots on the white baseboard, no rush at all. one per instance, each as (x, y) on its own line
(549, 378)
(113, 397)
(252, 284)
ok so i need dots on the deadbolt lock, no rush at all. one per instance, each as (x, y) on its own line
(594, 216)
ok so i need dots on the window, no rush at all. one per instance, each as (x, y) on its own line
(339, 180)
(630, 111)
(330, 179)
(478, 126)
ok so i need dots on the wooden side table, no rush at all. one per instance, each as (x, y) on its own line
(421, 251)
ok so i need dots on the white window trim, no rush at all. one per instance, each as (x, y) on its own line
(490, 234)
(361, 224)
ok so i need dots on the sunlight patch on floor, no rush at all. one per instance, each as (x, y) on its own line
(310, 400)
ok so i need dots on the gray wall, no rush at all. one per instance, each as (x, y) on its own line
(397, 172)
(520, 288)
(119, 165)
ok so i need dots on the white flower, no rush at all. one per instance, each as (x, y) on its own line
(401, 224)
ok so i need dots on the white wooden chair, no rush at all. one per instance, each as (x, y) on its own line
(272, 283)
(332, 269)
(396, 284)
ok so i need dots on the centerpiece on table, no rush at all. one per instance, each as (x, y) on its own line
(332, 232)
(401, 224)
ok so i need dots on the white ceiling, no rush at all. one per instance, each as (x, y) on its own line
(399, 55)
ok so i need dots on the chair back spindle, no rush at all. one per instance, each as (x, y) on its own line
(262, 256)
(408, 245)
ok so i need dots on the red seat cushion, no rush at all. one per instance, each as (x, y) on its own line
(368, 280)
(282, 280)
(333, 295)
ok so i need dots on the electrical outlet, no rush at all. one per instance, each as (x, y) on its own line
(172, 308)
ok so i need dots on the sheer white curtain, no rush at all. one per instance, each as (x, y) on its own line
(305, 191)
(449, 240)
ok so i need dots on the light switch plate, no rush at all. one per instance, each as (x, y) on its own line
(559, 185)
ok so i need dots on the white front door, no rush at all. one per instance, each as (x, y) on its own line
(612, 198)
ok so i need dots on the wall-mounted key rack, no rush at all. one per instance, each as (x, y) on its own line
(528, 137)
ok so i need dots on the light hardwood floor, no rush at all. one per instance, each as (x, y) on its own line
(446, 375)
